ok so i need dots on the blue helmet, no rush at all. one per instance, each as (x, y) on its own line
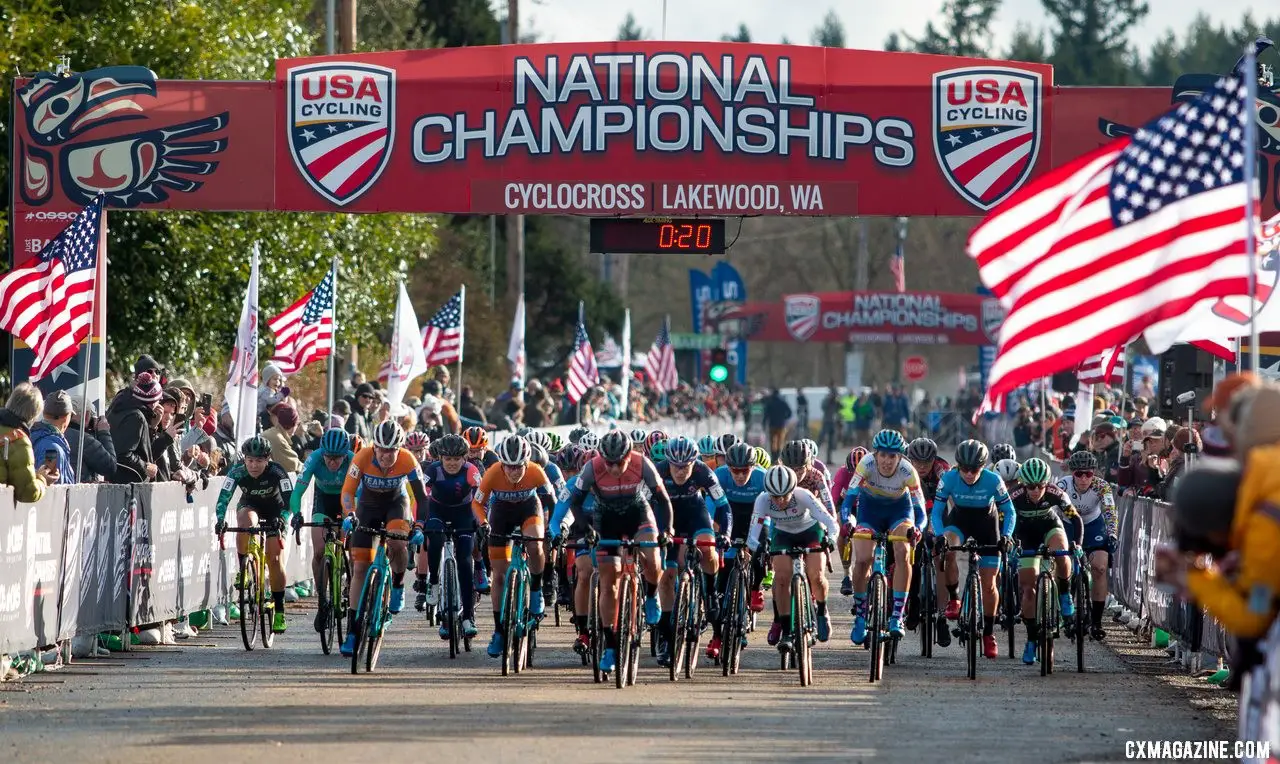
(889, 440)
(707, 446)
(681, 451)
(335, 442)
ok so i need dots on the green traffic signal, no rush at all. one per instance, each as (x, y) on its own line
(718, 373)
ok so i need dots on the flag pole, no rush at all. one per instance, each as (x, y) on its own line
(333, 349)
(462, 344)
(88, 344)
(581, 313)
(1250, 166)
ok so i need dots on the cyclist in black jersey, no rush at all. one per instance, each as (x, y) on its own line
(451, 485)
(1040, 508)
(483, 457)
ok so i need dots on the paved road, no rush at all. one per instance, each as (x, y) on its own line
(208, 700)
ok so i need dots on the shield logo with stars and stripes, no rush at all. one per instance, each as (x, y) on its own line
(986, 130)
(341, 126)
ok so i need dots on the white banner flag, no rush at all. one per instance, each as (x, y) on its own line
(407, 358)
(626, 364)
(1084, 412)
(515, 349)
(241, 392)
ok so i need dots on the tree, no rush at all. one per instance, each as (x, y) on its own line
(1205, 49)
(1090, 41)
(458, 23)
(966, 30)
(630, 30)
(893, 43)
(743, 35)
(830, 33)
(1027, 44)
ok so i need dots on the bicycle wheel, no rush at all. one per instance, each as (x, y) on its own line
(554, 583)
(678, 627)
(1081, 585)
(626, 606)
(730, 624)
(1008, 604)
(928, 604)
(875, 624)
(972, 621)
(378, 626)
(364, 615)
(341, 583)
(799, 627)
(452, 607)
(324, 607)
(510, 615)
(248, 601)
(594, 631)
(694, 633)
(1044, 614)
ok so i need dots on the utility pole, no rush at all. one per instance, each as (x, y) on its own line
(347, 25)
(514, 223)
(330, 26)
(854, 359)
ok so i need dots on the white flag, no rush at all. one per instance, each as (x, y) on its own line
(1084, 412)
(515, 349)
(626, 363)
(241, 392)
(407, 358)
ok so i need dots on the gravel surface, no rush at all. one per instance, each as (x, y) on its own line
(206, 699)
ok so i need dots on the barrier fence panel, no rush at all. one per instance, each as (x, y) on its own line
(14, 634)
(95, 597)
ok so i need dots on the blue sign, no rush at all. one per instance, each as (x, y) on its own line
(728, 285)
(986, 353)
(701, 292)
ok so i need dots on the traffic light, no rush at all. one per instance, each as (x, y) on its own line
(719, 370)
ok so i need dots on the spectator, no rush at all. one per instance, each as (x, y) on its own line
(470, 413)
(224, 437)
(448, 414)
(99, 449)
(1105, 445)
(897, 410)
(129, 414)
(1024, 434)
(349, 388)
(165, 432)
(1142, 466)
(313, 431)
(196, 448)
(848, 402)
(360, 423)
(272, 391)
(505, 412)
(18, 467)
(440, 375)
(830, 432)
(147, 363)
(1184, 447)
(864, 414)
(281, 436)
(47, 441)
(777, 415)
(341, 410)
(802, 414)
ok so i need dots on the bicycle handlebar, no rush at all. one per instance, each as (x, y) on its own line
(626, 544)
(382, 533)
(515, 537)
(694, 542)
(1045, 552)
(879, 537)
(297, 529)
(796, 551)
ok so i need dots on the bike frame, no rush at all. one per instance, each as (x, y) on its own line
(628, 605)
(971, 609)
(335, 558)
(256, 553)
(879, 602)
(520, 626)
(371, 624)
(1048, 611)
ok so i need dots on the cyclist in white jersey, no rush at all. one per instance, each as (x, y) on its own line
(1092, 498)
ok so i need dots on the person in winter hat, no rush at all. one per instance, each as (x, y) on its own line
(271, 391)
(47, 439)
(129, 415)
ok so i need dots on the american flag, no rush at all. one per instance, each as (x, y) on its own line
(304, 331)
(898, 267)
(661, 361)
(48, 303)
(442, 337)
(1105, 368)
(583, 373)
(1124, 240)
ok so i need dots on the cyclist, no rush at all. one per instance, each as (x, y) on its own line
(884, 497)
(817, 464)
(655, 437)
(763, 460)
(797, 455)
(590, 441)
(543, 459)
(1002, 451)
(478, 451)
(688, 481)
(1037, 505)
(707, 451)
(638, 438)
(974, 495)
(743, 482)
(799, 520)
(575, 435)
(658, 453)
(266, 496)
(923, 455)
(328, 466)
(519, 492)
(379, 473)
(1092, 498)
(574, 527)
(418, 443)
(624, 483)
(554, 443)
(840, 487)
(1008, 469)
(452, 482)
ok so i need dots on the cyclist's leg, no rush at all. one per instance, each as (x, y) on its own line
(328, 506)
(948, 573)
(1095, 547)
(275, 565)
(902, 568)
(645, 528)
(667, 586)
(781, 565)
(245, 517)
(986, 532)
(463, 544)
(872, 518)
(582, 589)
(609, 562)
(710, 562)
(533, 525)
(503, 522)
(361, 549)
(428, 564)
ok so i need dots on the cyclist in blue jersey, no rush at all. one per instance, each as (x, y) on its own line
(687, 481)
(327, 466)
(451, 485)
(573, 527)
(742, 481)
(974, 495)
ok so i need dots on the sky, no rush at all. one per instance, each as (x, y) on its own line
(867, 22)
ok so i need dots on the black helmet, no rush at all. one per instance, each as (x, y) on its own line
(740, 456)
(1002, 451)
(795, 455)
(1082, 460)
(971, 454)
(724, 442)
(450, 445)
(922, 450)
(1204, 506)
(575, 435)
(257, 446)
(614, 446)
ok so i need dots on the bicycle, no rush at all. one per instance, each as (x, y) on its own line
(1048, 610)
(879, 602)
(375, 601)
(450, 608)
(257, 608)
(797, 650)
(969, 629)
(334, 583)
(735, 616)
(629, 620)
(1010, 598)
(1081, 586)
(690, 609)
(519, 627)
(928, 598)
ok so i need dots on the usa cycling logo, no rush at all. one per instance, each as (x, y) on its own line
(986, 130)
(341, 126)
(802, 313)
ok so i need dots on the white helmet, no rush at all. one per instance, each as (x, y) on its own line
(389, 435)
(780, 480)
(1007, 469)
(514, 451)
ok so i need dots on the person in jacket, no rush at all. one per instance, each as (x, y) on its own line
(1105, 445)
(99, 448)
(448, 414)
(777, 415)
(47, 441)
(469, 412)
(18, 466)
(1142, 463)
(360, 423)
(281, 436)
(129, 415)
(864, 416)
(272, 391)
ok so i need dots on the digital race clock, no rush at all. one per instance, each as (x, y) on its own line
(657, 236)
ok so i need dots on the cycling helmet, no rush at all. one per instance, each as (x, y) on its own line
(540, 439)
(762, 459)
(740, 456)
(433, 451)
(514, 452)
(539, 455)
(573, 457)
(922, 450)
(812, 447)
(724, 442)
(1082, 460)
(417, 440)
(681, 451)
(638, 438)
(590, 441)
(795, 455)
(1034, 472)
(655, 437)
(707, 446)
(1002, 451)
(1007, 469)
(971, 454)
(450, 445)
(523, 432)
(575, 435)
(658, 451)
(257, 446)
(780, 480)
(335, 442)
(555, 441)
(856, 455)
(476, 437)
(614, 446)
(889, 440)
(388, 434)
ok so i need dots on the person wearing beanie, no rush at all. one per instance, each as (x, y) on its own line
(282, 435)
(128, 417)
(1105, 444)
(360, 423)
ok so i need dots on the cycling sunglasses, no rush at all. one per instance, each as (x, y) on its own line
(968, 470)
(1084, 473)
(740, 470)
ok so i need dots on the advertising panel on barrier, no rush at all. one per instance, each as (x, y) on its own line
(14, 634)
(29, 570)
(96, 597)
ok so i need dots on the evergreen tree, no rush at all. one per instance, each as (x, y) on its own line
(965, 31)
(1091, 41)
(1027, 44)
(830, 33)
(743, 35)
(630, 30)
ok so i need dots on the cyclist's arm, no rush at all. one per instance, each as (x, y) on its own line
(758, 511)
(561, 512)
(228, 489)
(349, 488)
(824, 498)
(1005, 507)
(659, 499)
(939, 511)
(295, 502)
(823, 514)
(917, 498)
(1108, 508)
(287, 493)
(418, 487)
(480, 504)
(586, 481)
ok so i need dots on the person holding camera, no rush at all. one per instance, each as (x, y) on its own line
(1185, 447)
(99, 448)
(1142, 466)
(48, 442)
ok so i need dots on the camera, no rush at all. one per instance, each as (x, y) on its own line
(1187, 397)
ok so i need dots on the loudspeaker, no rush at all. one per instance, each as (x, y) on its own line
(1183, 368)
(1064, 382)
